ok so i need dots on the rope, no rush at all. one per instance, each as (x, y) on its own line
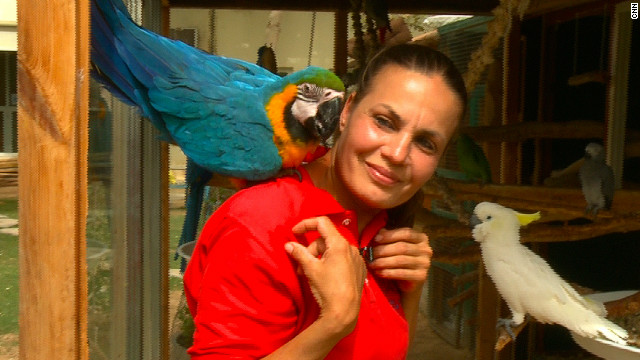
(313, 34)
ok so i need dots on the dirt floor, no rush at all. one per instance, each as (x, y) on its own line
(430, 346)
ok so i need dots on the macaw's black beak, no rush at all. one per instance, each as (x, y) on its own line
(327, 118)
(474, 220)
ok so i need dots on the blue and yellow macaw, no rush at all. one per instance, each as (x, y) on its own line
(229, 117)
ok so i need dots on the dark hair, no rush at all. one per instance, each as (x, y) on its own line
(419, 58)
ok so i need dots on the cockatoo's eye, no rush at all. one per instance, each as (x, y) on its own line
(489, 217)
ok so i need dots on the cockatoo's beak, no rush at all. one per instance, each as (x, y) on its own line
(474, 220)
(525, 219)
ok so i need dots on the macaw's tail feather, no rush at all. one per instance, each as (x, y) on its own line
(196, 178)
(110, 24)
(109, 70)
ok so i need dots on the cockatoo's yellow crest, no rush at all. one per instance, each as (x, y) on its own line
(525, 219)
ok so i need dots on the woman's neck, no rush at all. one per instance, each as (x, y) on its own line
(324, 176)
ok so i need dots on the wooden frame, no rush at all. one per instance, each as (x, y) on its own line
(53, 104)
(477, 7)
(53, 93)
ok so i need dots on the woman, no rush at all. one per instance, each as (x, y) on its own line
(279, 269)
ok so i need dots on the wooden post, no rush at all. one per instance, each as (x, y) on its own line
(53, 76)
(340, 42)
(488, 304)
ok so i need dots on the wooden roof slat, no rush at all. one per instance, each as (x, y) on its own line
(471, 7)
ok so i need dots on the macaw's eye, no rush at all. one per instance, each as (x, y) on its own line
(310, 91)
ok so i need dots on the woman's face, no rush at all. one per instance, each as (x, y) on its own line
(393, 137)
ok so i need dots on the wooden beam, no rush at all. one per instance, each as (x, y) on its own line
(518, 132)
(531, 197)
(540, 7)
(53, 76)
(478, 7)
(555, 204)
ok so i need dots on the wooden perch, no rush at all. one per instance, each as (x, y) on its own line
(567, 202)
(542, 232)
(466, 278)
(468, 254)
(625, 306)
(518, 132)
(504, 338)
(591, 76)
(462, 296)
(550, 233)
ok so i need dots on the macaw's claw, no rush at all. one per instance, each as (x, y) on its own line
(289, 172)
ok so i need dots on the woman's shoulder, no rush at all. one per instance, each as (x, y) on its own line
(269, 203)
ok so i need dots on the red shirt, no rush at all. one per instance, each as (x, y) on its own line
(243, 290)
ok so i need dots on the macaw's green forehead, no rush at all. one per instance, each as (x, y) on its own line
(319, 76)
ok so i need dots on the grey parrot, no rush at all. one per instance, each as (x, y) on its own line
(596, 178)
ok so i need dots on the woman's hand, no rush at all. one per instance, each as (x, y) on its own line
(402, 254)
(336, 278)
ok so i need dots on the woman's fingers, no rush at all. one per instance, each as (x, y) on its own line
(402, 254)
(401, 262)
(321, 224)
(307, 257)
(402, 234)
(333, 267)
(403, 274)
(403, 246)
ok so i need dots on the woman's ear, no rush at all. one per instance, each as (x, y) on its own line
(346, 111)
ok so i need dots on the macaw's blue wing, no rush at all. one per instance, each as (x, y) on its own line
(211, 106)
(225, 130)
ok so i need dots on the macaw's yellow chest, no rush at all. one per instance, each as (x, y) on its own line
(292, 151)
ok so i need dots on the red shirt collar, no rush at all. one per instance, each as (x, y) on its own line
(319, 202)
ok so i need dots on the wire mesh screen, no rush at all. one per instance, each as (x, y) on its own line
(451, 318)
(450, 313)
(459, 40)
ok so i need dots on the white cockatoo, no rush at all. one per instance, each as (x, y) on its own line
(526, 281)
(596, 178)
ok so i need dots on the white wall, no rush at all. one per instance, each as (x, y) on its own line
(8, 25)
(239, 34)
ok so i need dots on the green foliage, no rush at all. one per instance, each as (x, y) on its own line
(9, 285)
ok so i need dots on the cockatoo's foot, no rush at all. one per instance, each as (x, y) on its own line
(592, 210)
(508, 325)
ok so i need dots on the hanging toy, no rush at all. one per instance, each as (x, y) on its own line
(267, 59)
(266, 54)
